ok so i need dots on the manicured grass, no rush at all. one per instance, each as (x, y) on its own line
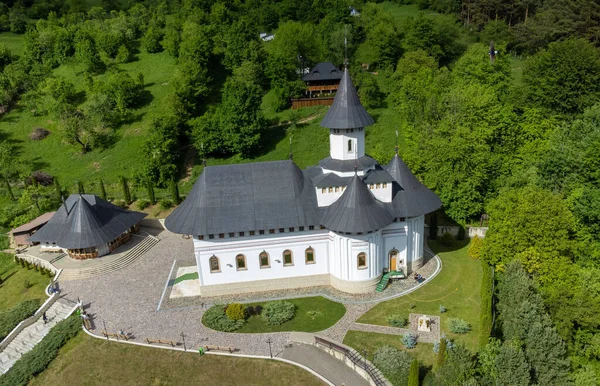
(12, 290)
(327, 314)
(89, 361)
(187, 276)
(456, 287)
(370, 341)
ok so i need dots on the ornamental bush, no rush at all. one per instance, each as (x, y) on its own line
(474, 250)
(446, 239)
(9, 319)
(278, 312)
(165, 204)
(458, 326)
(442, 309)
(393, 363)
(409, 340)
(236, 311)
(143, 204)
(216, 318)
(397, 320)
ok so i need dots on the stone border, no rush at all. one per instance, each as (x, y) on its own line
(321, 377)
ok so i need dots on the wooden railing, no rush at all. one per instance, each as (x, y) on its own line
(330, 87)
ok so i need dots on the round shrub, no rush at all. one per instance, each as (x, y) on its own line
(442, 309)
(278, 312)
(446, 239)
(409, 340)
(143, 204)
(165, 204)
(236, 311)
(216, 319)
(458, 326)
(397, 320)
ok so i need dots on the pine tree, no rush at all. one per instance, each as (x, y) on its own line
(511, 366)
(102, 189)
(9, 188)
(441, 355)
(413, 375)
(150, 189)
(126, 193)
(80, 188)
(174, 192)
(485, 318)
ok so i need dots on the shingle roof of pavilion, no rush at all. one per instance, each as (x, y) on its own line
(411, 197)
(86, 221)
(323, 71)
(357, 211)
(346, 112)
(247, 197)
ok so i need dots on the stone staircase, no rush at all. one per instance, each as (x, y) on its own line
(112, 266)
(33, 334)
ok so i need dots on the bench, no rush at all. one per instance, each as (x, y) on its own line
(219, 348)
(161, 341)
(110, 334)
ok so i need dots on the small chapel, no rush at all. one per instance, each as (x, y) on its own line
(344, 223)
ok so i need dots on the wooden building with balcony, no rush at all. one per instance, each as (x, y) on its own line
(322, 83)
(87, 227)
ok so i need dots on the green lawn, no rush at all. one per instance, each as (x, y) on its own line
(326, 314)
(14, 42)
(89, 361)
(370, 341)
(456, 287)
(13, 290)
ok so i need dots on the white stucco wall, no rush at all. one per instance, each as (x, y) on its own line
(227, 249)
(381, 193)
(338, 143)
(326, 199)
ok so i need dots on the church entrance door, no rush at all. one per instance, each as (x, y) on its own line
(393, 255)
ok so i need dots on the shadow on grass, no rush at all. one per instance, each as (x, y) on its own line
(436, 247)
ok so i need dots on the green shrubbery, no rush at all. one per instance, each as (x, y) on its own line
(278, 312)
(458, 326)
(474, 250)
(143, 204)
(410, 340)
(36, 360)
(446, 239)
(9, 319)
(216, 318)
(393, 363)
(236, 311)
(397, 320)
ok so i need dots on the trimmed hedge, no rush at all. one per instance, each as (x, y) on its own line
(485, 317)
(37, 359)
(216, 318)
(9, 319)
(278, 312)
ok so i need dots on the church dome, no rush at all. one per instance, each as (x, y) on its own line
(357, 211)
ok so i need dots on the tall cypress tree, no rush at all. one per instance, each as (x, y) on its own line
(126, 193)
(485, 318)
(174, 191)
(9, 188)
(150, 189)
(102, 189)
(413, 375)
(441, 355)
(80, 188)
(57, 190)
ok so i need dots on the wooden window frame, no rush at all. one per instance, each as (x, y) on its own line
(358, 265)
(237, 265)
(291, 263)
(221, 235)
(306, 252)
(260, 256)
(210, 265)
(251, 233)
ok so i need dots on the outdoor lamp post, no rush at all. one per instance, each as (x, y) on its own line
(269, 341)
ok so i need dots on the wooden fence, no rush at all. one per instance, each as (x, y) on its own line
(309, 102)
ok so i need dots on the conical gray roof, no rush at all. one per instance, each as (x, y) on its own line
(88, 222)
(346, 112)
(411, 198)
(357, 211)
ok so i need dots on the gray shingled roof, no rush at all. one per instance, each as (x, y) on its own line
(377, 175)
(89, 222)
(346, 112)
(412, 198)
(323, 71)
(245, 197)
(357, 211)
(362, 163)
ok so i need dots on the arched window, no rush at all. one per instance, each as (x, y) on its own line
(287, 258)
(310, 255)
(214, 264)
(362, 260)
(264, 260)
(240, 262)
(349, 146)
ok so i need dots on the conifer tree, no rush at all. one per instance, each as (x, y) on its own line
(150, 190)
(174, 192)
(80, 188)
(413, 375)
(485, 319)
(126, 193)
(441, 355)
(102, 189)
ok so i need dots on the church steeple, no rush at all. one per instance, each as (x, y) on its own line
(346, 119)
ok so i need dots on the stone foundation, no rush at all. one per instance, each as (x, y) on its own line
(265, 285)
(355, 287)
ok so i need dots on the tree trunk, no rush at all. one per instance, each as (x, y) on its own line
(10, 192)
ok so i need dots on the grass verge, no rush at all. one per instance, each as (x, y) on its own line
(19, 284)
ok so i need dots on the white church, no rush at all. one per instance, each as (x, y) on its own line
(269, 225)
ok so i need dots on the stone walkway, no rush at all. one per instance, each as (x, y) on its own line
(33, 334)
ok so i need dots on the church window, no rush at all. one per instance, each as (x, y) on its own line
(377, 186)
(201, 237)
(240, 262)
(402, 219)
(301, 229)
(371, 186)
(287, 258)
(214, 264)
(330, 189)
(384, 185)
(221, 235)
(252, 233)
(211, 236)
(310, 255)
(241, 233)
(323, 190)
(322, 227)
(281, 230)
(291, 229)
(362, 260)
(352, 130)
(261, 232)
(311, 227)
(231, 234)
(349, 146)
(271, 231)
(264, 259)
(337, 189)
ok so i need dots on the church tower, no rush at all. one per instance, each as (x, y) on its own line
(346, 120)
